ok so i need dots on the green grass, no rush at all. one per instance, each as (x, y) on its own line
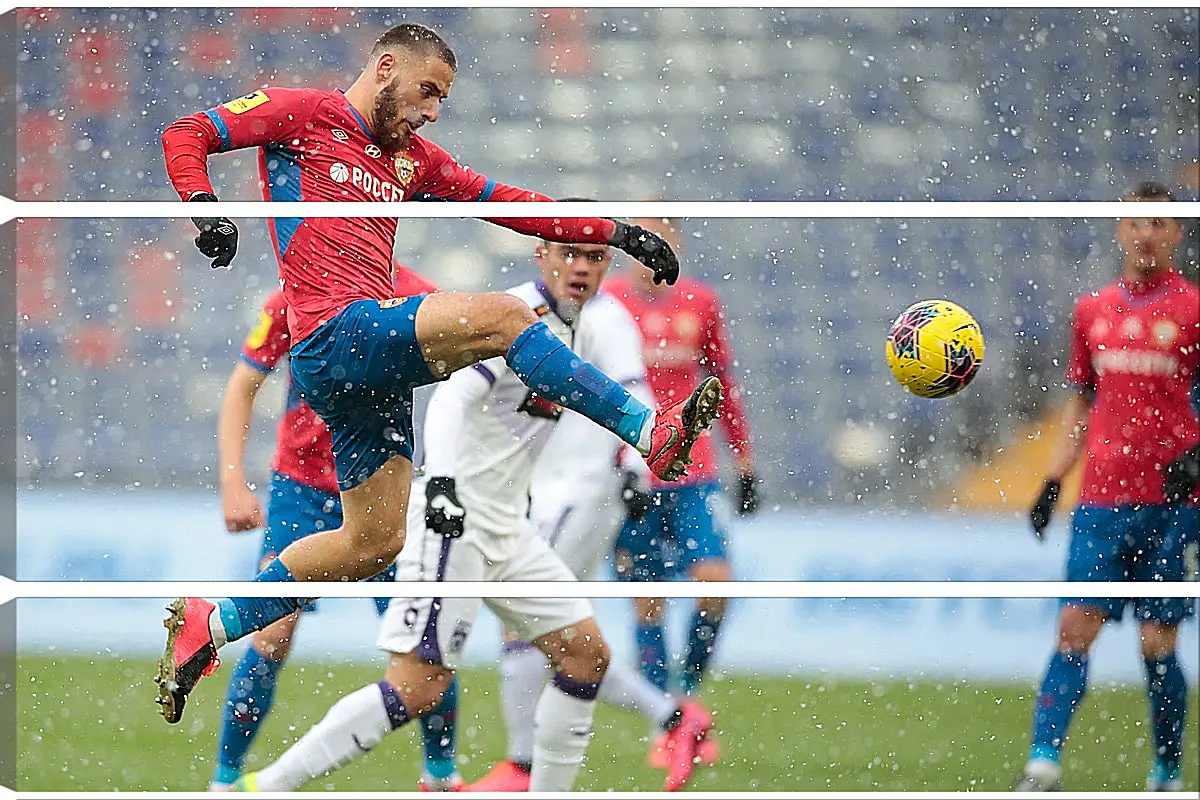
(92, 725)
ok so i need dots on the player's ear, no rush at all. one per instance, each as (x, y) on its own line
(384, 66)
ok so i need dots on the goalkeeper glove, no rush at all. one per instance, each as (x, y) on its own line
(748, 495)
(218, 237)
(1043, 509)
(648, 248)
(1182, 476)
(443, 513)
(635, 494)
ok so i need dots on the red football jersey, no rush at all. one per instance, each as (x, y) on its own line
(683, 330)
(1138, 349)
(316, 147)
(304, 448)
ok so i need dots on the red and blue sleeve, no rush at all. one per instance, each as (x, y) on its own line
(719, 356)
(446, 179)
(1079, 362)
(262, 117)
(268, 341)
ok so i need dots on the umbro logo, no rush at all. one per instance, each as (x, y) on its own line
(340, 135)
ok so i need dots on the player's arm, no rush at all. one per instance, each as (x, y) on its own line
(449, 180)
(733, 419)
(1073, 428)
(444, 421)
(241, 507)
(262, 117)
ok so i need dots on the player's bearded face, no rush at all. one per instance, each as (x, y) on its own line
(393, 127)
(1149, 242)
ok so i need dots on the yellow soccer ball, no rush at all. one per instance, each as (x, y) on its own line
(935, 348)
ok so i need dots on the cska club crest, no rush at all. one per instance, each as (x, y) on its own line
(406, 169)
(1165, 332)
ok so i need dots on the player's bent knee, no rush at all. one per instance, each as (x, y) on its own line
(421, 684)
(508, 317)
(1158, 640)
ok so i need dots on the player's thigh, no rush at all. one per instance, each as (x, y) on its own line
(358, 372)
(641, 549)
(1164, 544)
(458, 329)
(529, 618)
(433, 628)
(700, 529)
(1099, 553)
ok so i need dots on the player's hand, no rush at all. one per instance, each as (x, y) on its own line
(1182, 476)
(635, 494)
(242, 510)
(218, 237)
(648, 248)
(443, 513)
(748, 495)
(1043, 509)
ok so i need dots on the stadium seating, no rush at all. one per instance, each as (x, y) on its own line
(737, 104)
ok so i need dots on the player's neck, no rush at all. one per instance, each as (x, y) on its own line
(361, 98)
(1139, 280)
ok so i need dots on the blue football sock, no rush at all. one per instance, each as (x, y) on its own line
(550, 368)
(1166, 687)
(652, 653)
(248, 700)
(244, 615)
(1062, 692)
(701, 642)
(438, 729)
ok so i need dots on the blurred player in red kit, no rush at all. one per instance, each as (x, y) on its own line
(1134, 363)
(684, 533)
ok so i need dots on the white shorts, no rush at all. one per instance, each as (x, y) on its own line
(437, 628)
(580, 521)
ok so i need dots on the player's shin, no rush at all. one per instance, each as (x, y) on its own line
(1062, 692)
(352, 727)
(702, 640)
(554, 371)
(562, 732)
(523, 673)
(439, 733)
(625, 688)
(1166, 687)
(248, 700)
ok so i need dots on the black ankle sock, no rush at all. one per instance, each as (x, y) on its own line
(672, 722)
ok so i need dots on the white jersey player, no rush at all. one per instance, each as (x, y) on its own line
(468, 520)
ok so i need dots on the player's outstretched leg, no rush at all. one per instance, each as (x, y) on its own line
(1167, 693)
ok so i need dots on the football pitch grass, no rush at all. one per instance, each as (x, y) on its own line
(91, 725)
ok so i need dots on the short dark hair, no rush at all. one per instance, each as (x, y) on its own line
(411, 36)
(1150, 190)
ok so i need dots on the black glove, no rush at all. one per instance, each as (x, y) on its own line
(648, 248)
(443, 513)
(218, 236)
(748, 496)
(635, 494)
(1043, 509)
(1182, 476)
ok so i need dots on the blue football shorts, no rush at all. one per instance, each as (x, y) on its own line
(358, 372)
(1134, 543)
(685, 525)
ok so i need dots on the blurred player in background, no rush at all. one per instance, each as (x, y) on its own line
(578, 481)
(483, 432)
(358, 350)
(684, 532)
(303, 499)
(1135, 361)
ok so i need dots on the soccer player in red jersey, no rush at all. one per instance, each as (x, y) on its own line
(1135, 358)
(303, 499)
(358, 350)
(685, 531)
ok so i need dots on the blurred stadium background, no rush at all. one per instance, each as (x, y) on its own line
(126, 337)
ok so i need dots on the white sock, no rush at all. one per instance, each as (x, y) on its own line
(352, 727)
(562, 731)
(625, 687)
(216, 626)
(523, 675)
